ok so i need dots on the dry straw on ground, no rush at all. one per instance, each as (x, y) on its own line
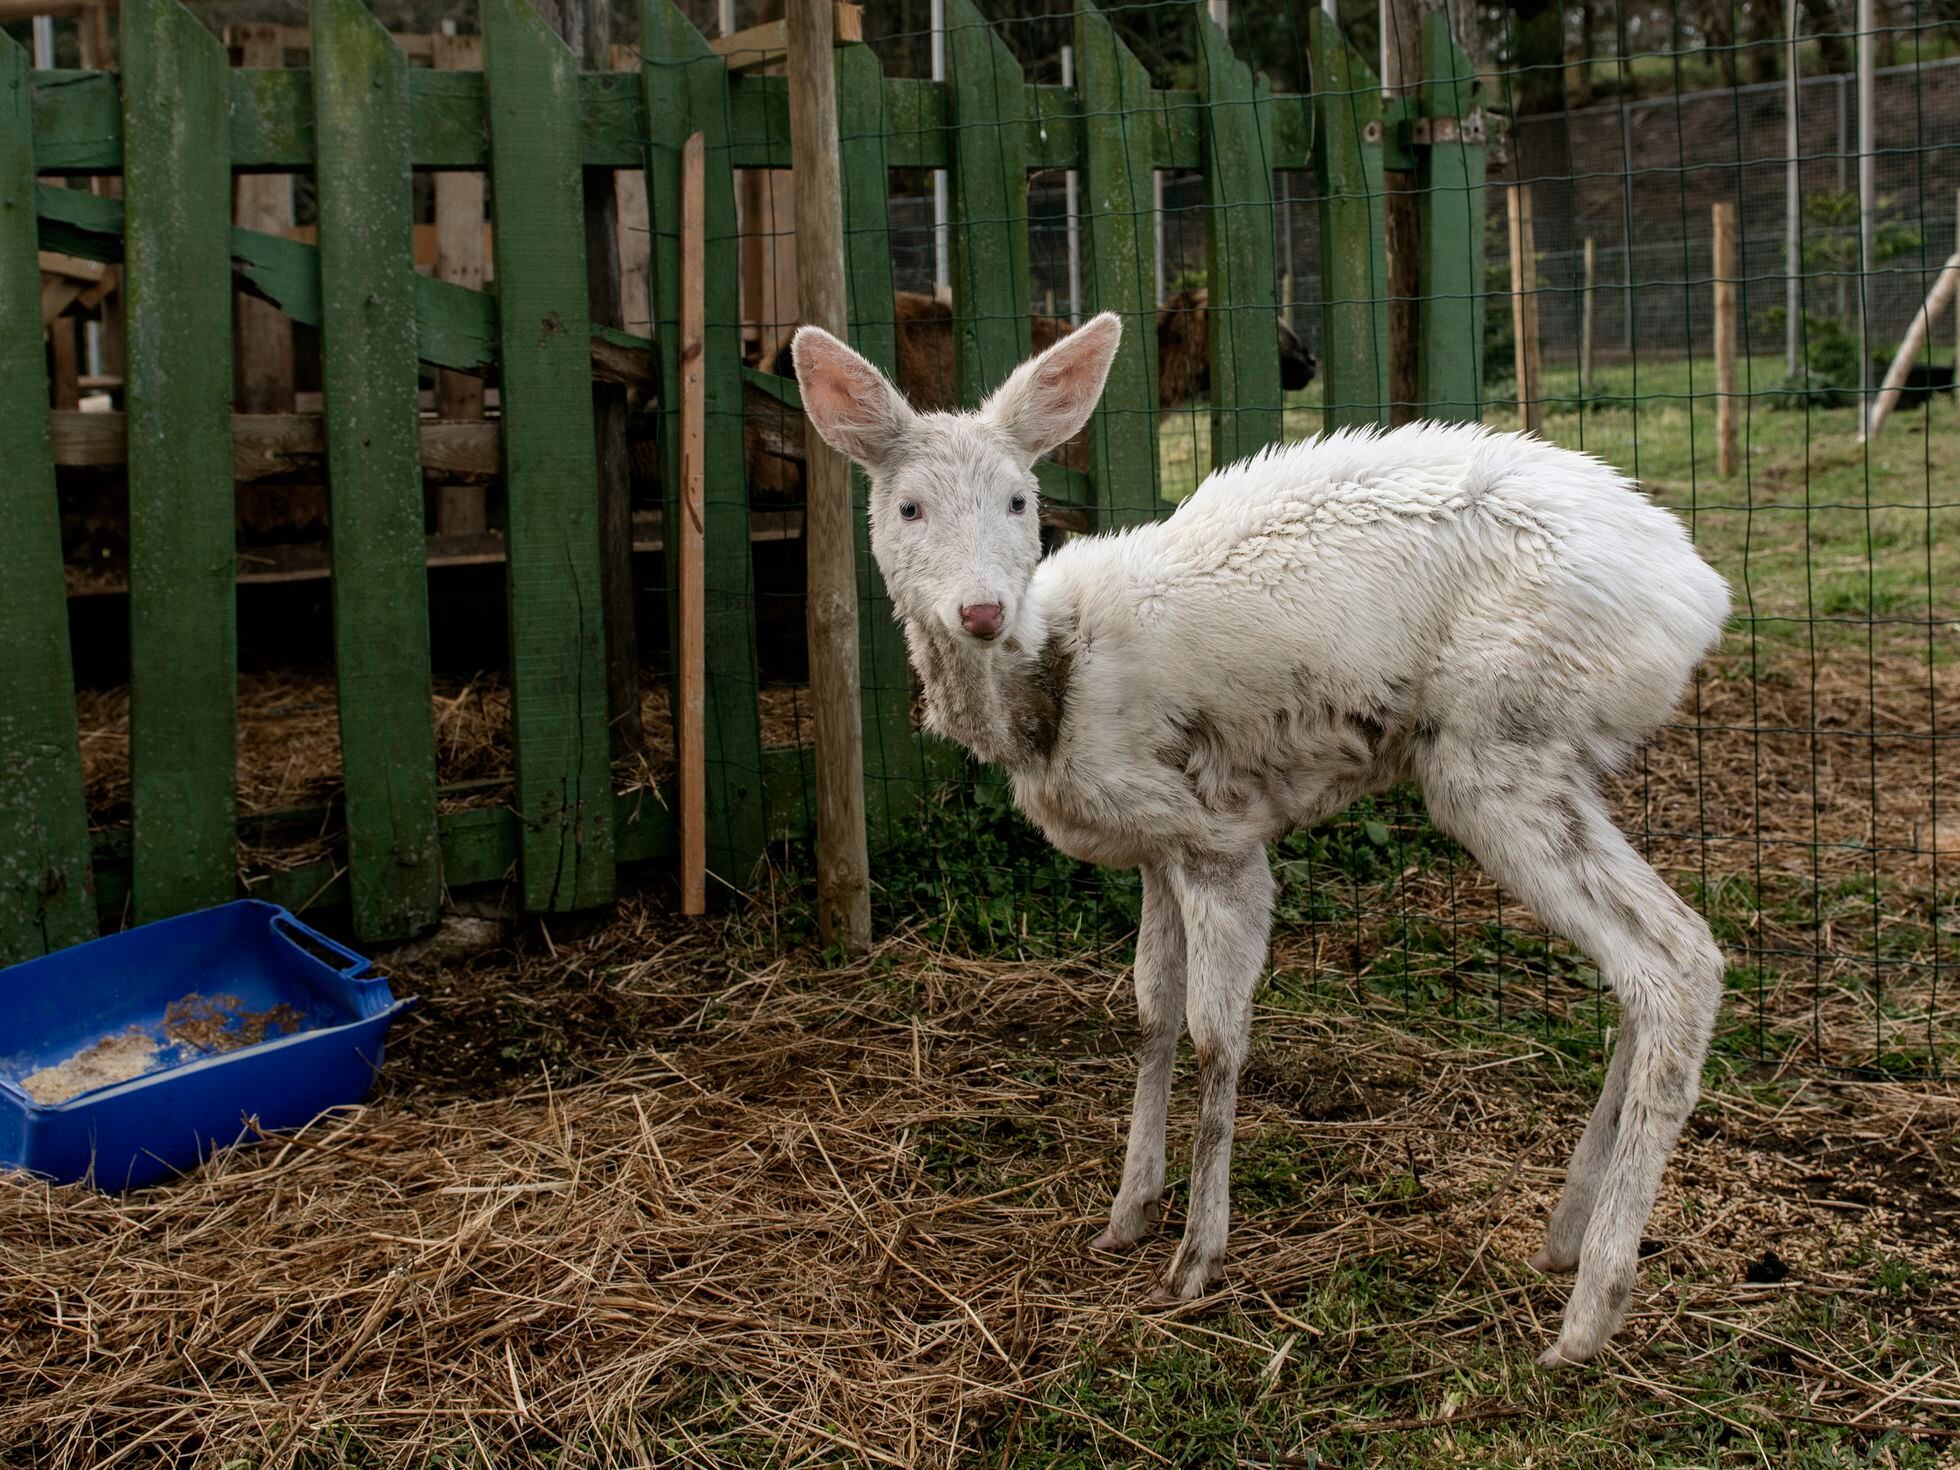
(669, 1196)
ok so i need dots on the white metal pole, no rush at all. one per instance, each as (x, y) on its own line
(1221, 14)
(942, 260)
(1792, 211)
(725, 17)
(1867, 199)
(1072, 209)
(44, 42)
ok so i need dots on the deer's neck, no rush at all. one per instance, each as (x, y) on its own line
(1003, 701)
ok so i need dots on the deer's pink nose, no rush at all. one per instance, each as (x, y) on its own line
(981, 619)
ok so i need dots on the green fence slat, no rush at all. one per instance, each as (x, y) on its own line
(47, 890)
(374, 471)
(557, 636)
(1119, 265)
(78, 127)
(1354, 261)
(686, 87)
(183, 630)
(988, 186)
(1247, 403)
(891, 763)
(1452, 204)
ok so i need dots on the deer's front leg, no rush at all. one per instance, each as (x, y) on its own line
(1160, 1016)
(1228, 909)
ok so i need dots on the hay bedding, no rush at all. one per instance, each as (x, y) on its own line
(756, 1213)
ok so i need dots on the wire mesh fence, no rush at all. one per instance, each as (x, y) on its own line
(1803, 798)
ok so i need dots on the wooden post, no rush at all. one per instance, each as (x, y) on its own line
(843, 864)
(1937, 301)
(265, 203)
(1524, 308)
(690, 544)
(1725, 336)
(1586, 327)
(586, 27)
(1401, 55)
(460, 259)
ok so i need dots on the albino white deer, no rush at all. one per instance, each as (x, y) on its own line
(1499, 618)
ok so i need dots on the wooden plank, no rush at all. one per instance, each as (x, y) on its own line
(77, 126)
(462, 253)
(1524, 309)
(264, 346)
(1247, 402)
(689, 543)
(183, 660)
(755, 47)
(1726, 334)
(1451, 177)
(634, 247)
(843, 863)
(1353, 283)
(265, 446)
(988, 184)
(687, 91)
(47, 898)
(558, 673)
(462, 250)
(371, 378)
(1119, 267)
(892, 775)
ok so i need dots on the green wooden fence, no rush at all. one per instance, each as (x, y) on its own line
(177, 124)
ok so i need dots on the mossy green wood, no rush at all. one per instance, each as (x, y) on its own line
(177, 293)
(988, 187)
(1119, 265)
(368, 363)
(1247, 403)
(892, 775)
(47, 887)
(78, 130)
(1354, 265)
(557, 638)
(1452, 180)
(686, 90)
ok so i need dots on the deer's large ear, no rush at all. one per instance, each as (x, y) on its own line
(1049, 398)
(858, 412)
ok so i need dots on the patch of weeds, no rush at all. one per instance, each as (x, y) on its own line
(1195, 1406)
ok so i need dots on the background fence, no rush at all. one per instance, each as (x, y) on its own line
(1802, 799)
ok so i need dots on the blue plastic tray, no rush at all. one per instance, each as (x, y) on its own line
(126, 1134)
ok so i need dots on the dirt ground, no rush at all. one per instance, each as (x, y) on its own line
(679, 1195)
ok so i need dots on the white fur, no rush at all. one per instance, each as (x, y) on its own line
(1496, 617)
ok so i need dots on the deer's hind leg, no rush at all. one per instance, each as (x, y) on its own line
(1531, 816)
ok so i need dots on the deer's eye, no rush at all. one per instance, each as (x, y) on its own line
(1017, 505)
(908, 510)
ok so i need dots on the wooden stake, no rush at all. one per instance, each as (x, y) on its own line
(689, 542)
(843, 864)
(1524, 309)
(1586, 327)
(1725, 337)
